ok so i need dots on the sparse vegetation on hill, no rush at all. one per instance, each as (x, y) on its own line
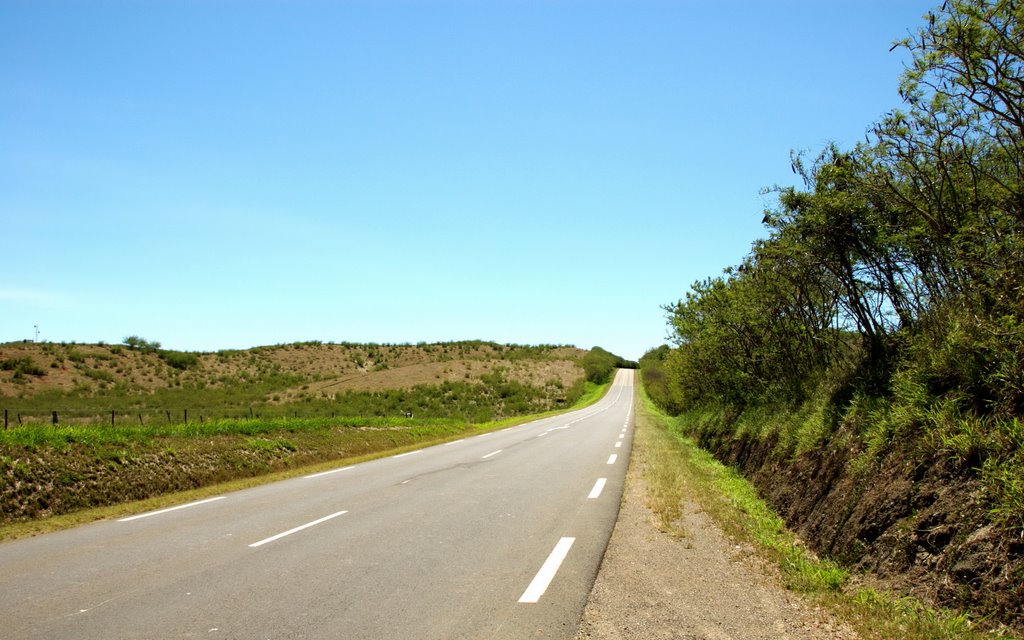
(140, 382)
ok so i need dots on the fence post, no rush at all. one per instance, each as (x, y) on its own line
(5, 419)
(140, 419)
(113, 414)
(56, 420)
(168, 415)
(186, 416)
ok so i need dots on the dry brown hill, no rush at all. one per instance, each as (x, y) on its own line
(30, 368)
(36, 378)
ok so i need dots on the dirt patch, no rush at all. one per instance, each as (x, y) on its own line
(653, 585)
(533, 373)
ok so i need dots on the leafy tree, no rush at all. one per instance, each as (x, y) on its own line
(135, 342)
(653, 371)
(904, 253)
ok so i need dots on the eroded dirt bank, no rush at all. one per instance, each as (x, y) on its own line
(914, 525)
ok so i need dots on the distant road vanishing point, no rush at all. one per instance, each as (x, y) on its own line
(495, 536)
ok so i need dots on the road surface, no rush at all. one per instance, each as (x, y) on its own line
(495, 536)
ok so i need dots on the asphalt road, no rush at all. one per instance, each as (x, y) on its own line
(494, 536)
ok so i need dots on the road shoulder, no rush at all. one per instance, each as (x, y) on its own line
(698, 585)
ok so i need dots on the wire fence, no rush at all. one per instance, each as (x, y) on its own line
(113, 418)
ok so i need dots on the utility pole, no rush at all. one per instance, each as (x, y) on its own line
(37, 331)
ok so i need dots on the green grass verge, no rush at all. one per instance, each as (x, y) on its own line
(37, 436)
(676, 469)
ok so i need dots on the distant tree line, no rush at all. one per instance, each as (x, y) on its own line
(176, 359)
(136, 342)
(599, 364)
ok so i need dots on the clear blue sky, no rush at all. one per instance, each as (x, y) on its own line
(227, 174)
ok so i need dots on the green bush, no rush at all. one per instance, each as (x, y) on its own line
(599, 364)
(179, 359)
(22, 366)
(135, 342)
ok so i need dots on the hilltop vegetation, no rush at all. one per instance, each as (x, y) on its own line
(598, 365)
(140, 382)
(863, 362)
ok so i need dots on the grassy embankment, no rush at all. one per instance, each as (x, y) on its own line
(64, 476)
(677, 469)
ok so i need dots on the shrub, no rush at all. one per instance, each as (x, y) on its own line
(135, 342)
(598, 365)
(22, 366)
(179, 359)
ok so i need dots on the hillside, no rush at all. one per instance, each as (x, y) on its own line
(138, 422)
(86, 382)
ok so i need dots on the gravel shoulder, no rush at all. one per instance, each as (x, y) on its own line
(700, 585)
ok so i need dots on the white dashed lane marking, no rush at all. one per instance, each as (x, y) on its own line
(326, 473)
(547, 572)
(297, 529)
(180, 506)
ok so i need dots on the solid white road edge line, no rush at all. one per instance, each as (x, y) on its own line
(296, 529)
(598, 487)
(325, 473)
(547, 572)
(612, 458)
(180, 506)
